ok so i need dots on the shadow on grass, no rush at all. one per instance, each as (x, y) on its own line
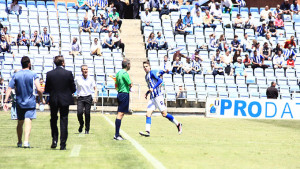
(292, 124)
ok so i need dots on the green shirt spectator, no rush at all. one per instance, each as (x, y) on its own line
(123, 81)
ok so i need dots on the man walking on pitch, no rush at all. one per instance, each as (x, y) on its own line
(123, 83)
(23, 81)
(86, 87)
(156, 99)
(60, 86)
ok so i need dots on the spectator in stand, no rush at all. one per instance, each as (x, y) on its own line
(286, 7)
(110, 7)
(47, 39)
(290, 63)
(115, 16)
(178, 54)
(254, 44)
(188, 20)
(95, 25)
(102, 4)
(146, 18)
(151, 42)
(218, 68)
(279, 22)
(270, 18)
(258, 60)
(92, 3)
(292, 42)
(6, 35)
(161, 43)
(227, 59)
(226, 5)
(261, 30)
(295, 8)
(238, 22)
(18, 41)
(101, 18)
(208, 20)
(241, 3)
(92, 13)
(115, 27)
(289, 52)
(196, 67)
(108, 42)
(217, 12)
(81, 4)
(96, 48)
(235, 44)
(212, 5)
(250, 22)
(247, 61)
(188, 67)
(174, 5)
(238, 68)
(277, 11)
(221, 43)
(212, 42)
(177, 66)
(197, 20)
(155, 5)
(247, 44)
(235, 56)
(265, 51)
(4, 46)
(278, 61)
(269, 41)
(180, 28)
(75, 47)
(277, 48)
(272, 29)
(35, 39)
(215, 57)
(15, 8)
(165, 12)
(118, 43)
(85, 25)
(104, 27)
(264, 13)
(167, 65)
(196, 9)
(24, 39)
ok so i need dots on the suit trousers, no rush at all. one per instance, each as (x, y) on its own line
(84, 104)
(64, 112)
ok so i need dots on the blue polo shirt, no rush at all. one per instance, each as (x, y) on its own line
(23, 81)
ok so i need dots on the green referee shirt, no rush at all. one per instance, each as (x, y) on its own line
(123, 81)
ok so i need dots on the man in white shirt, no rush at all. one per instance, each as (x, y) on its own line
(227, 4)
(195, 10)
(86, 87)
(167, 65)
(198, 20)
(92, 13)
(278, 60)
(216, 12)
(264, 13)
(96, 48)
(146, 18)
(188, 66)
(247, 44)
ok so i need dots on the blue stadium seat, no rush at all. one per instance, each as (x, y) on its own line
(70, 4)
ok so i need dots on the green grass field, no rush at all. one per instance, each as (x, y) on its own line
(205, 143)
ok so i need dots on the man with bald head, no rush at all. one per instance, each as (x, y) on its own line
(85, 25)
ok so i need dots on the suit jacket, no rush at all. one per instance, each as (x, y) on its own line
(60, 85)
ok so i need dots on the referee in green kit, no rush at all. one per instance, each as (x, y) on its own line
(124, 84)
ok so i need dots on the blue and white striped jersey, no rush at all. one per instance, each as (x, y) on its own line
(153, 81)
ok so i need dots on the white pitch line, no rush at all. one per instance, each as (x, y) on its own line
(156, 164)
(81, 135)
(75, 151)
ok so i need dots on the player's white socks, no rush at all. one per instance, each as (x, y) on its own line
(175, 122)
(148, 127)
(172, 119)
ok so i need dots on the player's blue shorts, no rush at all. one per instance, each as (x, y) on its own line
(26, 113)
(123, 101)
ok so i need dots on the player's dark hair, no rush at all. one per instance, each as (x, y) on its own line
(146, 62)
(59, 60)
(125, 63)
(25, 61)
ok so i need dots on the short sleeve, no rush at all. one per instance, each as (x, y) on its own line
(126, 78)
(35, 76)
(12, 82)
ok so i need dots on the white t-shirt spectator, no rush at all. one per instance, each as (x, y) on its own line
(194, 11)
(95, 46)
(278, 60)
(226, 3)
(197, 20)
(217, 12)
(264, 14)
(146, 18)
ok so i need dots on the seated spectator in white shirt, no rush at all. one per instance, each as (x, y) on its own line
(264, 13)
(295, 8)
(167, 65)
(75, 47)
(197, 20)
(270, 17)
(161, 43)
(238, 68)
(35, 39)
(250, 22)
(177, 66)
(212, 5)
(188, 66)
(195, 10)
(278, 60)
(217, 12)
(227, 5)
(238, 21)
(118, 42)
(108, 42)
(173, 5)
(247, 44)
(15, 8)
(96, 48)
(91, 13)
(212, 42)
(196, 66)
(218, 68)
(146, 18)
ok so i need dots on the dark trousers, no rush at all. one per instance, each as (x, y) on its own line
(64, 112)
(256, 66)
(135, 9)
(120, 45)
(122, 10)
(84, 102)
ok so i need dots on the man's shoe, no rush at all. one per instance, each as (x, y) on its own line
(146, 133)
(80, 129)
(86, 132)
(63, 147)
(54, 144)
(19, 145)
(179, 127)
(119, 137)
(26, 145)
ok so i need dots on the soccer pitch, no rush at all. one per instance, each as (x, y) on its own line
(204, 143)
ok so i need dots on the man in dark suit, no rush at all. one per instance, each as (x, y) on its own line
(60, 85)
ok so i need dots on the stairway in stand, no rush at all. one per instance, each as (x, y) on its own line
(135, 51)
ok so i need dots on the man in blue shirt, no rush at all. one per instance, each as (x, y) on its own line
(23, 82)
(85, 25)
(218, 68)
(261, 30)
(161, 43)
(156, 99)
(258, 60)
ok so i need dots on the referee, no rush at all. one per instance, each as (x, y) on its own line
(123, 84)
(86, 87)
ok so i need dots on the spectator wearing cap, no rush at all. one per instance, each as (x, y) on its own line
(261, 30)
(115, 16)
(279, 22)
(188, 66)
(208, 20)
(235, 44)
(197, 20)
(75, 47)
(226, 5)
(4, 45)
(238, 68)
(164, 14)
(238, 22)
(108, 42)
(216, 12)
(264, 13)
(250, 22)
(115, 27)
(196, 69)
(286, 7)
(95, 25)
(146, 18)
(278, 61)
(102, 4)
(161, 43)
(265, 51)
(290, 63)
(196, 9)
(35, 39)
(247, 44)
(277, 11)
(85, 25)
(118, 42)
(295, 7)
(218, 68)
(173, 5)
(92, 3)
(289, 52)
(96, 48)
(258, 60)
(81, 4)
(177, 66)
